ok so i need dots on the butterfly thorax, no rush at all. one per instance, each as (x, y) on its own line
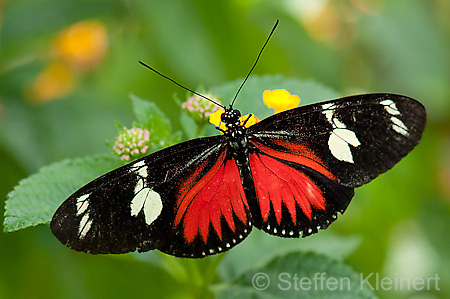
(236, 133)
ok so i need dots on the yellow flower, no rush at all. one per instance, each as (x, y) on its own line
(215, 119)
(280, 100)
(83, 44)
(252, 120)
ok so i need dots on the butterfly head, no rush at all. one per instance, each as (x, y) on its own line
(231, 118)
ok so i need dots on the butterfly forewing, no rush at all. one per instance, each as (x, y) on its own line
(355, 138)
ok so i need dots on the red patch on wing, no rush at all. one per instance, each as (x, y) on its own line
(276, 182)
(219, 193)
(304, 156)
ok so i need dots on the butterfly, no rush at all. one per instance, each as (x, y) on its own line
(288, 175)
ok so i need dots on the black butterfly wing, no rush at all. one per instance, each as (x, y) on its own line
(305, 162)
(163, 201)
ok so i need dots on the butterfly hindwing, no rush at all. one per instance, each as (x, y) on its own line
(211, 212)
(355, 138)
(296, 196)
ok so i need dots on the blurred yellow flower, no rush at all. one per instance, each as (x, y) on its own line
(215, 119)
(280, 100)
(54, 82)
(78, 47)
(82, 45)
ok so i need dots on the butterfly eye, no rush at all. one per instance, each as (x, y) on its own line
(224, 117)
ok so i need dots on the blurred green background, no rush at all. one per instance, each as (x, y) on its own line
(67, 68)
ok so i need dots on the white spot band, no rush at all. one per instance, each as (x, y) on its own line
(340, 137)
(148, 200)
(82, 204)
(84, 226)
(397, 125)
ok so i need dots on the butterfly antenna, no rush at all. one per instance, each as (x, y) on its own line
(257, 58)
(182, 86)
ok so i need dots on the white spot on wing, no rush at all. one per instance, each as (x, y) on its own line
(82, 204)
(84, 226)
(339, 144)
(328, 112)
(327, 106)
(139, 164)
(399, 126)
(348, 136)
(390, 107)
(142, 169)
(340, 137)
(148, 200)
(143, 172)
(339, 125)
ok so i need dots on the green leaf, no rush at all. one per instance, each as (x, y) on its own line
(297, 275)
(188, 125)
(149, 116)
(34, 200)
